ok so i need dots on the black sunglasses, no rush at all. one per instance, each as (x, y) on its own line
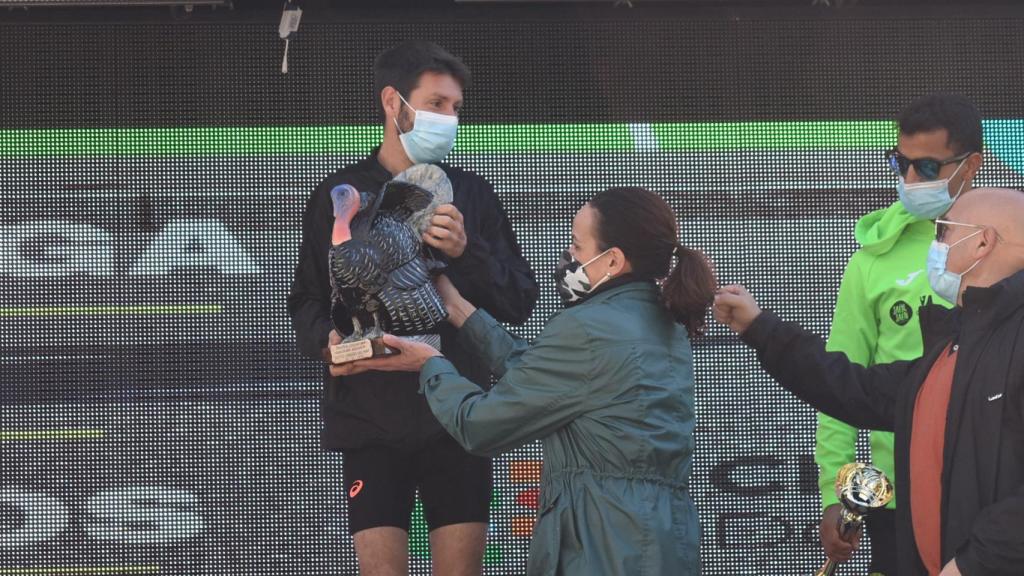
(926, 168)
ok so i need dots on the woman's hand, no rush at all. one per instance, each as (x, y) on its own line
(459, 309)
(410, 357)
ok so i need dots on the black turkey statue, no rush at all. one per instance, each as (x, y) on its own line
(381, 273)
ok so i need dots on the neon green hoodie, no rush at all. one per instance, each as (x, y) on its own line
(875, 322)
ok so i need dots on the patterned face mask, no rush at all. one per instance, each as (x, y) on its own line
(571, 280)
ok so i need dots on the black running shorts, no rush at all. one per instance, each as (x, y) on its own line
(380, 485)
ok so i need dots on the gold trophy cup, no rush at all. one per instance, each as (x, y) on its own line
(861, 488)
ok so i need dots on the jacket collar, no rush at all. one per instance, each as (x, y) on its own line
(621, 285)
(373, 166)
(377, 170)
(1005, 295)
(983, 307)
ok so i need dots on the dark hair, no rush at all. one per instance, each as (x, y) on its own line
(643, 226)
(401, 67)
(951, 112)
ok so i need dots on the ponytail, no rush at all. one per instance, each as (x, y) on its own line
(689, 289)
(643, 226)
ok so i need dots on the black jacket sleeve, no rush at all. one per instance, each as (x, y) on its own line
(492, 273)
(828, 381)
(309, 302)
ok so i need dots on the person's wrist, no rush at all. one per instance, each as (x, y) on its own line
(459, 312)
(746, 325)
(427, 357)
(458, 252)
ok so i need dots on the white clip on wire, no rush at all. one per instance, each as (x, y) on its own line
(290, 17)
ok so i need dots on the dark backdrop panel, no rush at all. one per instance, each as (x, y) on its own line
(146, 74)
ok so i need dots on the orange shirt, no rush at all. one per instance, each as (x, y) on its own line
(927, 439)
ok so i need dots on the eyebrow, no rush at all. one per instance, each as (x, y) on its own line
(439, 96)
(443, 98)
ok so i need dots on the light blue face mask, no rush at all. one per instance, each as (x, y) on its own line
(432, 136)
(945, 283)
(929, 200)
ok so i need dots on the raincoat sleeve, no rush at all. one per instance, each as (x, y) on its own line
(541, 387)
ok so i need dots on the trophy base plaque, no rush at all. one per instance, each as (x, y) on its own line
(358, 350)
(373, 348)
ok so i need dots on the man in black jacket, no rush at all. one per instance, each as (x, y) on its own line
(957, 412)
(390, 441)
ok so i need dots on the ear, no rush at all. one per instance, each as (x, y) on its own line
(989, 238)
(617, 263)
(391, 103)
(971, 166)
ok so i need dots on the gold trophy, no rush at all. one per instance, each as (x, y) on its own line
(860, 488)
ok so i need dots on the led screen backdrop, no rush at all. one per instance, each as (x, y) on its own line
(155, 416)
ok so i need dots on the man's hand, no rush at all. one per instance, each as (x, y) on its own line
(332, 339)
(410, 357)
(951, 569)
(735, 308)
(837, 549)
(447, 232)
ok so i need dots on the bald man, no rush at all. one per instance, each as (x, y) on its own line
(957, 411)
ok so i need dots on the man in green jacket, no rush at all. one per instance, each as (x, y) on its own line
(937, 156)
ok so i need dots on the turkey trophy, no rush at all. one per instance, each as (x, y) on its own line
(381, 273)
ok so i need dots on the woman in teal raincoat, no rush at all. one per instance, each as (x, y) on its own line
(607, 387)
